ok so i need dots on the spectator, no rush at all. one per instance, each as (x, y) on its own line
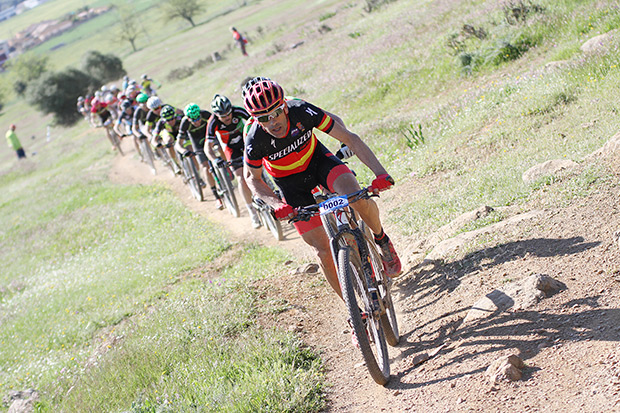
(240, 40)
(14, 143)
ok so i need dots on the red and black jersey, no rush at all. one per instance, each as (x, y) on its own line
(289, 155)
(229, 136)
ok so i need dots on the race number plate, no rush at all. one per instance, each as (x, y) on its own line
(333, 204)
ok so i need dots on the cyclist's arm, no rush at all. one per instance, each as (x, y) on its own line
(253, 177)
(362, 151)
(209, 144)
(166, 136)
(117, 128)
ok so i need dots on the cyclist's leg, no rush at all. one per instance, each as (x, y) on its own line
(246, 194)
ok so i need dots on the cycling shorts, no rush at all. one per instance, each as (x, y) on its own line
(323, 170)
(104, 116)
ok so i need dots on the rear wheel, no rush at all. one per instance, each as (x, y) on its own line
(388, 320)
(369, 332)
(227, 191)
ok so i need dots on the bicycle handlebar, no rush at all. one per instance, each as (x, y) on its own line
(306, 212)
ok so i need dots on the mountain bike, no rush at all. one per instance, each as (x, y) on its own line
(265, 212)
(147, 153)
(161, 151)
(191, 176)
(112, 136)
(366, 288)
(224, 187)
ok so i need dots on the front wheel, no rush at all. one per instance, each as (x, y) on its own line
(147, 154)
(358, 300)
(116, 141)
(272, 223)
(226, 190)
(191, 178)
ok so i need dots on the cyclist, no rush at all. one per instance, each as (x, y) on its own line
(146, 83)
(226, 129)
(81, 107)
(138, 126)
(165, 131)
(100, 109)
(283, 142)
(193, 127)
(123, 124)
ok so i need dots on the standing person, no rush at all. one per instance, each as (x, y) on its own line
(282, 140)
(240, 40)
(14, 143)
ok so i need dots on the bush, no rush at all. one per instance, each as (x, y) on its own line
(56, 93)
(104, 68)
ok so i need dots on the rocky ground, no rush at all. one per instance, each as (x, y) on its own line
(566, 337)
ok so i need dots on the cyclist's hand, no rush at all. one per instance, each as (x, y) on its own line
(220, 163)
(381, 183)
(284, 211)
(344, 152)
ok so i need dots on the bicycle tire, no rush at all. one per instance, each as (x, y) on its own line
(274, 226)
(116, 141)
(191, 178)
(355, 293)
(227, 192)
(147, 155)
(166, 159)
(388, 320)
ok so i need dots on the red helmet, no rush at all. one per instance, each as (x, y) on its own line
(263, 97)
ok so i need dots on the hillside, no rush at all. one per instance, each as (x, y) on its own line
(119, 290)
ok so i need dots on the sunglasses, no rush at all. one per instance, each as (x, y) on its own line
(272, 115)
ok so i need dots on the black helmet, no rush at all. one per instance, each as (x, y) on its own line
(126, 104)
(167, 112)
(220, 105)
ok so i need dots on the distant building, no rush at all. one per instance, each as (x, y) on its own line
(7, 13)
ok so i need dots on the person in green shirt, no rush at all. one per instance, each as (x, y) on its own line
(14, 143)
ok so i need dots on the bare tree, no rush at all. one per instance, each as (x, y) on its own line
(129, 28)
(183, 9)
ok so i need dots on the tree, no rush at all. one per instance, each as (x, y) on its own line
(24, 69)
(129, 28)
(184, 9)
(103, 67)
(56, 93)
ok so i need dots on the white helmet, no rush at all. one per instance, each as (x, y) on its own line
(144, 76)
(114, 88)
(98, 94)
(153, 103)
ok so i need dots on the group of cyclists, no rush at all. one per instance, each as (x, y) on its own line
(270, 134)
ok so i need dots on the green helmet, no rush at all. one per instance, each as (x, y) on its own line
(142, 98)
(192, 111)
(167, 112)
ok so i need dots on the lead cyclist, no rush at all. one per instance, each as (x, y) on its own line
(282, 141)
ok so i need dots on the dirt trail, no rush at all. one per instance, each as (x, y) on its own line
(569, 342)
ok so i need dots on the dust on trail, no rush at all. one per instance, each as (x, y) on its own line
(569, 342)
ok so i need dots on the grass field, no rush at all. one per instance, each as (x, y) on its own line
(107, 300)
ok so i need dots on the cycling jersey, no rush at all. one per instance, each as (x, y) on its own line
(151, 118)
(139, 118)
(195, 134)
(164, 127)
(230, 137)
(291, 154)
(125, 117)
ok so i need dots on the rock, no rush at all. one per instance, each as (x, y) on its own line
(551, 167)
(552, 66)
(419, 359)
(516, 295)
(216, 56)
(308, 269)
(505, 369)
(21, 401)
(617, 237)
(612, 146)
(600, 44)
(296, 45)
